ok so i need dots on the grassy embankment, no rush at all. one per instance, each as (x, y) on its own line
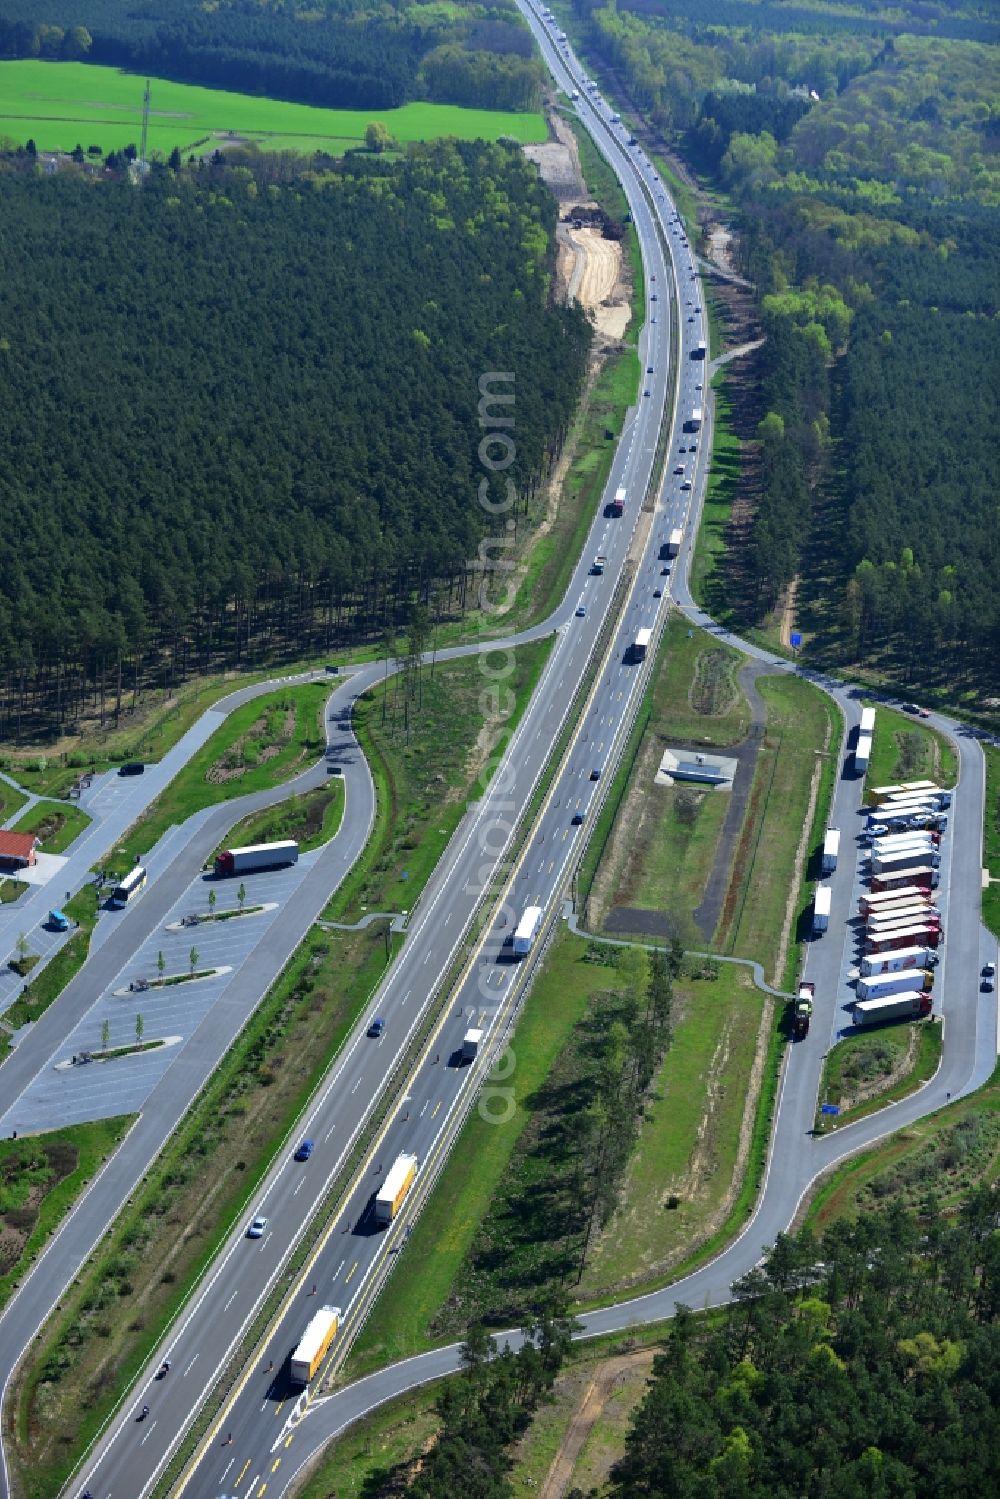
(709, 585)
(312, 819)
(57, 824)
(947, 1153)
(991, 840)
(665, 861)
(905, 749)
(62, 104)
(40, 1179)
(865, 1072)
(495, 1232)
(426, 761)
(11, 800)
(49, 983)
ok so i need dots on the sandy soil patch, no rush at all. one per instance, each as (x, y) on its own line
(588, 1412)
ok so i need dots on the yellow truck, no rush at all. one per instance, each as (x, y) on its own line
(314, 1344)
(395, 1187)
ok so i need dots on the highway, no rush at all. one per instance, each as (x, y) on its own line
(274, 1428)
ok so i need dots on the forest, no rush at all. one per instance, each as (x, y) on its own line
(860, 153)
(241, 407)
(861, 1365)
(350, 54)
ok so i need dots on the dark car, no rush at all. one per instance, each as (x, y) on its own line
(305, 1150)
(377, 1027)
(595, 775)
(133, 768)
(987, 986)
(577, 818)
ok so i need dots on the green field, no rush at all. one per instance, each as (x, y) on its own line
(905, 749)
(57, 824)
(62, 104)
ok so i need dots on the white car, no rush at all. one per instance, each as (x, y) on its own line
(257, 1229)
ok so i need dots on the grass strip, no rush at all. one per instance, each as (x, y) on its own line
(64, 965)
(991, 839)
(925, 1064)
(904, 749)
(42, 1178)
(312, 819)
(57, 824)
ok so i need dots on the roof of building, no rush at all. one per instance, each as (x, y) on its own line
(17, 845)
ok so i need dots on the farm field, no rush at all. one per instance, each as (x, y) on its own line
(62, 104)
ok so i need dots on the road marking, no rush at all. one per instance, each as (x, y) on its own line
(149, 1433)
(191, 1364)
(339, 1268)
(230, 1464)
(326, 1137)
(289, 1440)
(357, 1085)
(423, 1111)
(406, 996)
(300, 1186)
(350, 1272)
(230, 1301)
(261, 1491)
(276, 1465)
(435, 1109)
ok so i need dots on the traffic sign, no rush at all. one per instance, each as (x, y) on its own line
(796, 640)
(829, 1108)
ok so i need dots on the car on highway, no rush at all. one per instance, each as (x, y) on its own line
(645, 392)
(377, 1027)
(649, 369)
(657, 593)
(686, 484)
(693, 448)
(595, 775)
(257, 1229)
(581, 612)
(576, 819)
(664, 571)
(654, 297)
(989, 969)
(679, 469)
(305, 1150)
(987, 986)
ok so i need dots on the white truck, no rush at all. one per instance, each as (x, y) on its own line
(831, 850)
(901, 860)
(640, 644)
(313, 1345)
(526, 931)
(471, 1042)
(862, 753)
(674, 543)
(894, 983)
(874, 964)
(598, 565)
(910, 1005)
(821, 909)
(256, 856)
(693, 422)
(867, 725)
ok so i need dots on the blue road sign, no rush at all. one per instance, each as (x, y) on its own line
(829, 1108)
(795, 639)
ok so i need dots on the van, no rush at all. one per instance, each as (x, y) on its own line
(133, 768)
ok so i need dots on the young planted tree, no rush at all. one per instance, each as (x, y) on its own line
(105, 1034)
(193, 957)
(140, 1026)
(241, 895)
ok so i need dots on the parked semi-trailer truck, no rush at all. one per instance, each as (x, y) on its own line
(831, 850)
(917, 904)
(314, 1344)
(900, 860)
(895, 983)
(911, 935)
(910, 1005)
(802, 1013)
(395, 1187)
(895, 919)
(862, 753)
(257, 856)
(674, 543)
(874, 964)
(821, 909)
(867, 724)
(527, 931)
(617, 506)
(924, 875)
(931, 789)
(869, 901)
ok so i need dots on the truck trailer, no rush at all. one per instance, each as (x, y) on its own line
(471, 1042)
(880, 794)
(674, 544)
(907, 858)
(394, 1189)
(527, 931)
(257, 856)
(910, 916)
(894, 983)
(910, 1005)
(911, 935)
(831, 850)
(700, 350)
(902, 901)
(862, 753)
(802, 1013)
(314, 1344)
(640, 644)
(867, 724)
(821, 909)
(870, 901)
(901, 958)
(693, 423)
(924, 875)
